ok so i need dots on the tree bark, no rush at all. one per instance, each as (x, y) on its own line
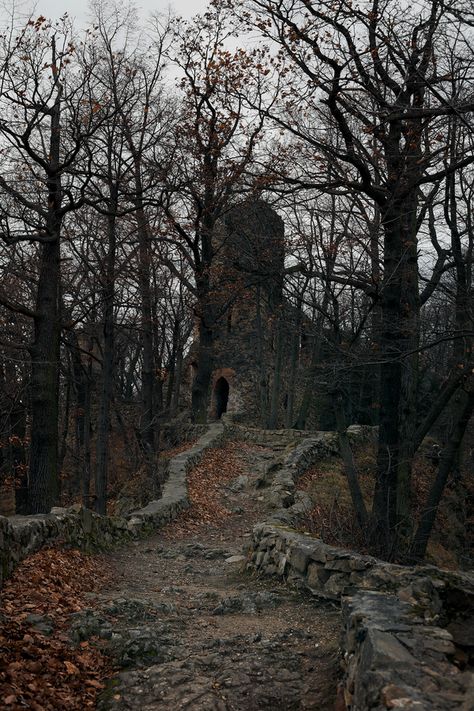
(43, 480)
(106, 393)
(448, 458)
(295, 344)
(349, 466)
(148, 423)
(43, 476)
(202, 377)
(278, 362)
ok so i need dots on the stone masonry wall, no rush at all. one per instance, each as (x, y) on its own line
(402, 626)
(22, 535)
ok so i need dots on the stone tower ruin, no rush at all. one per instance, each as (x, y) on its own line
(248, 276)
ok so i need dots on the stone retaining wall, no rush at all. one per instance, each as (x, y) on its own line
(238, 431)
(284, 438)
(395, 658)
(180, 430)
(281, 481)
(22, 535)
(402, 626)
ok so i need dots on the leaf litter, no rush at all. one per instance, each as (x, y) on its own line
(38, 670)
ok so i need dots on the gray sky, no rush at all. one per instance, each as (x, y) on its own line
(78, 8)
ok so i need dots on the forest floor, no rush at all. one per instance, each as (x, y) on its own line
(188, 629)
(172, 621)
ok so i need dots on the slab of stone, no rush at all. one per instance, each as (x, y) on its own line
(235, 559)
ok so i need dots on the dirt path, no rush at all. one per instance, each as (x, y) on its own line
(189, 630)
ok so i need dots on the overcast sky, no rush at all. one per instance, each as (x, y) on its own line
(78, 8)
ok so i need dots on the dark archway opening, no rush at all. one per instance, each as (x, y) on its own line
(221, 393)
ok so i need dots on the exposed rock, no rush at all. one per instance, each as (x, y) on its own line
(248, 603)
(235, 559)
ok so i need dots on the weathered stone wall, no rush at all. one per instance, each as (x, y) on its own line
(180, 430)
(396, 657)
(272, 438)
(300, 450)
(402, 626)
(22, 535)
(398, 643)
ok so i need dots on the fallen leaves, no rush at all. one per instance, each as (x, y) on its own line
(205, 482)
(45, 672)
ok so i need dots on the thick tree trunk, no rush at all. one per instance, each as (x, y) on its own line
(203, 373)
(86, 446)
(43, 476)
(206, 326)
(398, 344)
(385, 496)
(410, 327)
(148, 423)
(262, 370)
(43, 480)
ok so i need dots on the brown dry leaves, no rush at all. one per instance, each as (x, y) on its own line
(40, 672)
(217, 467)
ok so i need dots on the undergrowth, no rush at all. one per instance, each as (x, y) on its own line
(332, 517)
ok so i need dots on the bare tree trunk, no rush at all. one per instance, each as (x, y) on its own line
(448, 458)
(349, 466)
(148, 423)
(43, 477)
(202, 377)
(86, 446)
(409, 346)
(262, 383)
(295, 344)
(103, 425)
(206, 317)
(276, 383)
(398, 378)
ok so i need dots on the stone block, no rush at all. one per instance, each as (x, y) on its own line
(382, 649)
(340, 564)
(313, 576)
(319, 553)
(299, 557)
(336, 584)
(282, 565)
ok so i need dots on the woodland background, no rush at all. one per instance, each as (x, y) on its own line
(122, 147)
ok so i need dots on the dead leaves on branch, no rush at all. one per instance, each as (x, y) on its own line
(45, 672)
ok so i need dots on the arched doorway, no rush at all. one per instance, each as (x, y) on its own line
(221, 394)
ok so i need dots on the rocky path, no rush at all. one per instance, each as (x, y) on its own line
(188, 629)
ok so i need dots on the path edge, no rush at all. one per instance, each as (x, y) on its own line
(21, 536)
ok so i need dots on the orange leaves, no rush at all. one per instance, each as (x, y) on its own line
(71, 668)
(204, 484)
(39, 668)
